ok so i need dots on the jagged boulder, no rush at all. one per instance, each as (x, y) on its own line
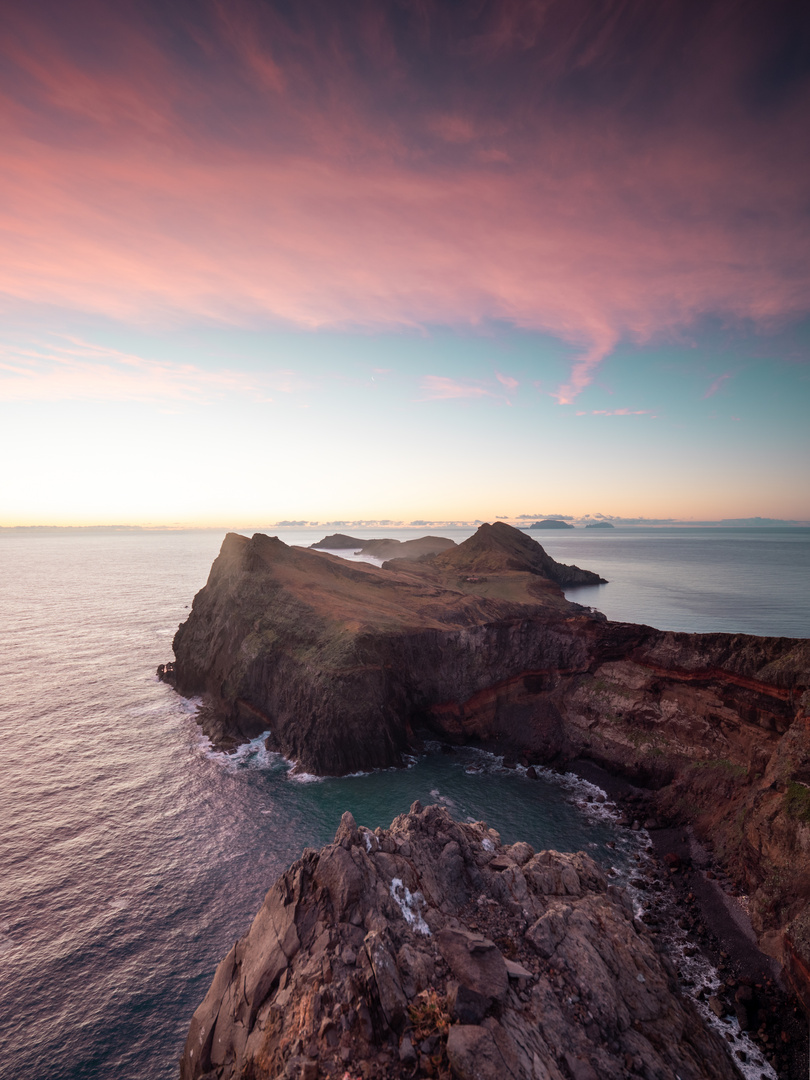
(432, 949)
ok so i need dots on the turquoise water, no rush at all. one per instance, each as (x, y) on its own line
(132, 856)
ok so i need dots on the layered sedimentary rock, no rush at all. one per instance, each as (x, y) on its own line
(344, 663)
(432, 950)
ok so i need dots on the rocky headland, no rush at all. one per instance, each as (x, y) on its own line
(348, 665)
(431, 949)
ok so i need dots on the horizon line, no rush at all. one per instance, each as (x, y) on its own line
(365, 524)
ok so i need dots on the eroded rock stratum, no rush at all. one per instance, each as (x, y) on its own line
(431, 949)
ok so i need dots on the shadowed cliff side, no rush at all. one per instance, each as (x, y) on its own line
(429, 949)
(340, 659)
(344, 663)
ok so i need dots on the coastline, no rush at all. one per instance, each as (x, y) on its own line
(481, 646)
(719, 927)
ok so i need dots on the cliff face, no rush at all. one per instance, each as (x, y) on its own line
(338, 659)
(342, 661)
(431, 949)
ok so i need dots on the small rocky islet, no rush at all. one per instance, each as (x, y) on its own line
(349, 666)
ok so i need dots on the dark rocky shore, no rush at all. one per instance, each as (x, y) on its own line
(349, 665)
(685, 887)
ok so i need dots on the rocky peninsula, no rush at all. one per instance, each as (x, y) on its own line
(348, 665)
(431, 949)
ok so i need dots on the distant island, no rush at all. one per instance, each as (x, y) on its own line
(551, 523)
(600, 525)
(385, 548)
(338, 542)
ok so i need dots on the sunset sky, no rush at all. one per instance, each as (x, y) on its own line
(267, 260)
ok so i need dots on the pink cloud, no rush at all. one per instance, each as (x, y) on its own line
(440, 388)
(453, 129)
(70, 369)
(237, 190)
(507, 381)
(618, 412)
(718, 383)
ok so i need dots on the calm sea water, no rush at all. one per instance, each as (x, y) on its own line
(132, 857)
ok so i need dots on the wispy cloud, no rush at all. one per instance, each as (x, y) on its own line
(718, 383)
(441, 388)
(507, 381)
(444, 388)
(223, 162)
(616, 412)
(69, 369)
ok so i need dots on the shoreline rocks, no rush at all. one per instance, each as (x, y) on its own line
(431, 949)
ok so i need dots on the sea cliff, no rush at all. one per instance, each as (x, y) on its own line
(347, 665)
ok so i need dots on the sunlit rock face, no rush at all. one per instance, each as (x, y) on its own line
(347, 665)
(431, 949)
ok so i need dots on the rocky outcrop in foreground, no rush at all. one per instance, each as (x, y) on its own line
(429, 949)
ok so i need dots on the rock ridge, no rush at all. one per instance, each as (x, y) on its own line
(432, 949)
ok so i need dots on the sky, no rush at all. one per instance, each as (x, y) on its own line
(404, 260)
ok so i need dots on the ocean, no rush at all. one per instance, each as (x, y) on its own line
(133, 856)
